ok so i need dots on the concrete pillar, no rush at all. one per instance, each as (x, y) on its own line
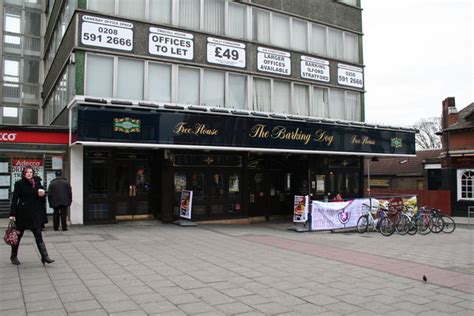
(77, 180)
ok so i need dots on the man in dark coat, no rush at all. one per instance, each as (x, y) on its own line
(59, 198)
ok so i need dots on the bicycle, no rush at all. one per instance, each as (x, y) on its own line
(447, 222)
(367, 221)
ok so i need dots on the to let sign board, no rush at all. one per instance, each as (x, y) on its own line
(314, 69)
(274, 61)
(100, 32)
(348, 75)
(170, 43)
(225, 52)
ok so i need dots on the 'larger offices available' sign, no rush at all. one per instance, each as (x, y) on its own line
(225, 52)
(274, 61)
(351, 76)
(191, 129)
(100, 32)
(170, 43)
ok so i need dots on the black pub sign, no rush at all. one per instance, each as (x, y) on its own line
(200, 129)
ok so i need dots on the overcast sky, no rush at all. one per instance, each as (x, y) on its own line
(416, 53)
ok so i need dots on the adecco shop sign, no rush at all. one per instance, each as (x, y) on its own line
(57, 138)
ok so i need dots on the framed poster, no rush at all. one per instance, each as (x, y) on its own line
(300, 209)
(186, 203)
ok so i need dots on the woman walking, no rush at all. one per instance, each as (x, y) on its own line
(26, 210)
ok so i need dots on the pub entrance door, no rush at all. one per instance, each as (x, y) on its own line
(266, 189)
(132, 186)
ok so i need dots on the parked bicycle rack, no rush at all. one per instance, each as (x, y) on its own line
(470, 213)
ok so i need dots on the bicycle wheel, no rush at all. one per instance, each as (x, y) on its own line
(423, 225)
(363, 224)
(438, 224)
(449, 224)
(386, 227)
(403, 225)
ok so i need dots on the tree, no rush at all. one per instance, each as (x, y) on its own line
(427, 138)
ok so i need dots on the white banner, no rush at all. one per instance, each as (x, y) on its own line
(335, 215)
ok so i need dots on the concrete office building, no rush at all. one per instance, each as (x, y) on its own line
(245, 103)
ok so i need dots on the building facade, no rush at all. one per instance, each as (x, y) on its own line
(246, 103)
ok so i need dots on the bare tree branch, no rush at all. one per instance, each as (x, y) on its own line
(427, 138)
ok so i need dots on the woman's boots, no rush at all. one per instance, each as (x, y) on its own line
(44, 253)
(14, 256)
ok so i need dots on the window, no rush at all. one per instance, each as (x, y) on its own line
(300, 99)
(335, 44)
(33, 23)
(353, 111)
(188, 85)
(159, 82)
(261, 94)
(281, 97)
(261, 26)
(280, 35)
(130, 79)
(319, 103)
(351, 47)
(299, 35)
(11, 70)
(465, 179)
(131, 8)
(189, 11)
(237, 92)
(103, 6)
(319, 40)
(336, 104)
(100, 76)
(236, 20)
(10, 115)
(31, 71)
(214, 16)
(29, 116)
(213, 92)
(12, 20)
(160, 11)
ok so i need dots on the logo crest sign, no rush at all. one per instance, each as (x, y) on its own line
(396, 142)
(127, 125)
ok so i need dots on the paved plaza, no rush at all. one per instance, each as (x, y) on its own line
(149, 268)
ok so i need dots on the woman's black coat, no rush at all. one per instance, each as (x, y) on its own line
(27, 206)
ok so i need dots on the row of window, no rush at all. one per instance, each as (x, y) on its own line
(12, 114)
(225, 17)
(125, 78)
(62, 93)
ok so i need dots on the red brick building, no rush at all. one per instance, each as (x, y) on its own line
(457, 156)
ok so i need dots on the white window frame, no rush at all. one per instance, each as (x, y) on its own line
(459, 174)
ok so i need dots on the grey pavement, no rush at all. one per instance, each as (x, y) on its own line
(149, 268)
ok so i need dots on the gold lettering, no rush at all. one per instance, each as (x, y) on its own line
(355, 140)
(367, 141)
(322, 136)
(259, 131)
(201, 129)
(280, 132)
(181, 128)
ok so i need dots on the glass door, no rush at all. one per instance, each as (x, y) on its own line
(132, 186)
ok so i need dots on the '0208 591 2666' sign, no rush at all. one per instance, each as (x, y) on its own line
(100, 32)
(225, 52)
(348, 75)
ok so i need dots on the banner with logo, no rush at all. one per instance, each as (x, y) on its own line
(409, 202)
(186, 203)
(19, 164)
(335, 215)
(300, 209)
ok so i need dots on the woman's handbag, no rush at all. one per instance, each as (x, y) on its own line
(11, 234)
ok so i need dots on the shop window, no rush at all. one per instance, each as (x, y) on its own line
(213, 92)
(159, 82)
(188, 85)
(217, 186)
(126, 88)
(198, 184)
(465, 179)
(234, 186)
(99, 76)
(179, 182)
(237, 92)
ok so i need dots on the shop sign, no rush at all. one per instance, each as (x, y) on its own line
(8, 136)
(127, 125)
(315, 69)
(18, 165)
(191, 129)
(170, 43)
(351, 76)
(108, 33)
(224, 52)
(396, 142)
(274, 61)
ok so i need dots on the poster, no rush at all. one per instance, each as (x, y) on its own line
(320, 180)
(300, 209)
(186, 203)
(19, 164)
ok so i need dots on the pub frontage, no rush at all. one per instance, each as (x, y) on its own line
(131, 161)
